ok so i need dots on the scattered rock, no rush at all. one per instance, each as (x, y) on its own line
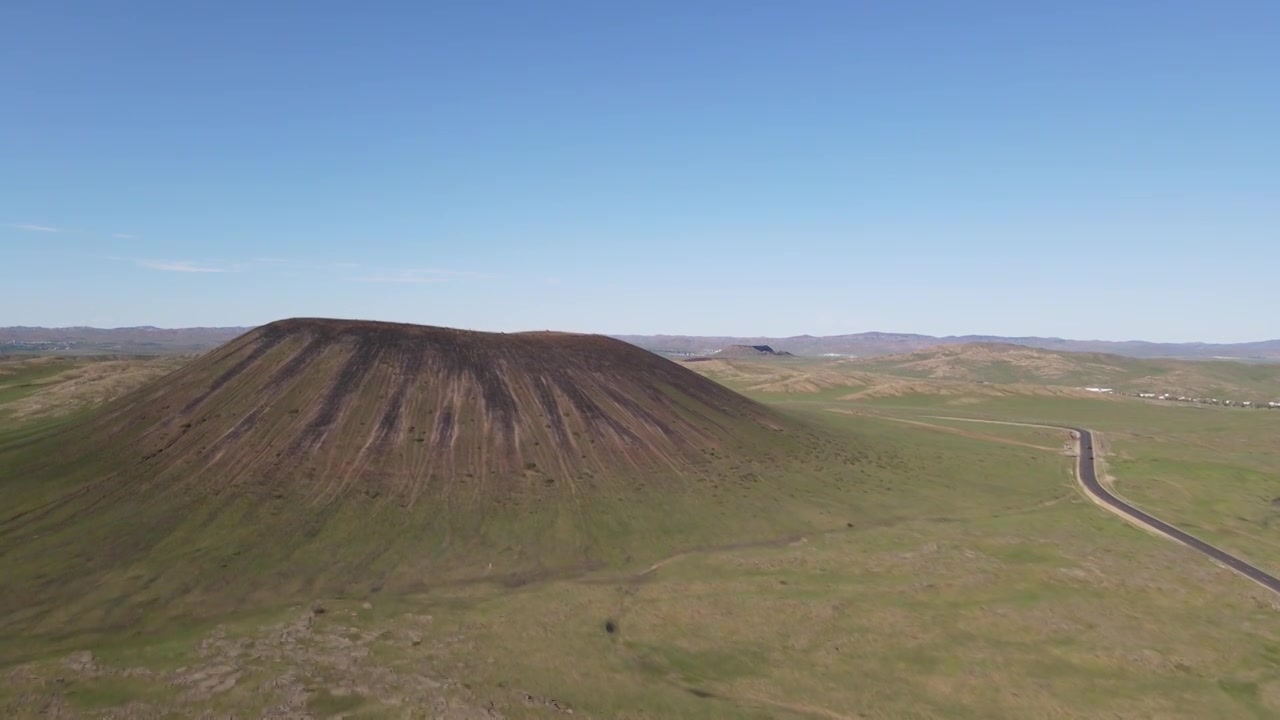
(548, 703)
(82, 662)
(241, 675)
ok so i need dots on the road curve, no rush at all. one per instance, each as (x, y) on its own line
(1086, 470)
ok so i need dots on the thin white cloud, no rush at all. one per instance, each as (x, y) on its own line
(415, 279)
(184, 266)
(420, 276)
(406, 276)
(456, 273)
(291, 264)
(30, 227)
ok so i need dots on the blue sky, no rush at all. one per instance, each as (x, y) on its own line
(1082, 169)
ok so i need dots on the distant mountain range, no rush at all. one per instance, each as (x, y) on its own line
(124, 341)
(879, 343)
(152, 340)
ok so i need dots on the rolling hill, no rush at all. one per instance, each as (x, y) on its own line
(324, 456)
(1009, 364)
(881, 343)
(996, 369)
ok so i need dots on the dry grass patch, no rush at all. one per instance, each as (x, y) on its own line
(85, 383)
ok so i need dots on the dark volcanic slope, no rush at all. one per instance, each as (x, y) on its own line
(378, 407)
(313, 457)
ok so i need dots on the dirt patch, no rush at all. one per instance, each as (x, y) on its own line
(292, 670)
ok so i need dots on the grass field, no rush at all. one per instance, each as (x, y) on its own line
(963, 576)
(1212, 471)
(21, 378)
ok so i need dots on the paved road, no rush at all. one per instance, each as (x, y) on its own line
(1089, 478)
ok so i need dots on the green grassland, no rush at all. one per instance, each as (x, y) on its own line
(954, 571)
(1212, 471)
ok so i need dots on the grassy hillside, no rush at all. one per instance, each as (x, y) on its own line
(1006, 364)
(849, 379)
(51, 386)
(999, 370)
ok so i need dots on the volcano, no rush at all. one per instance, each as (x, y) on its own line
(409, 410)
(317, 455)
